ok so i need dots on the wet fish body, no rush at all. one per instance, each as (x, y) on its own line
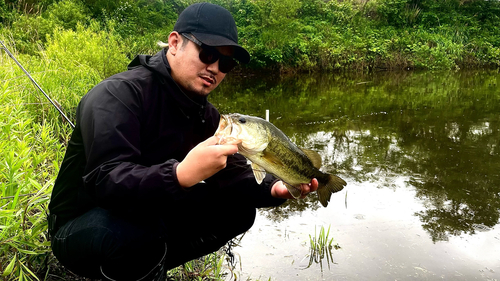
(270, 150)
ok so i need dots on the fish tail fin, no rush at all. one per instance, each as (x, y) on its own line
(334, 184)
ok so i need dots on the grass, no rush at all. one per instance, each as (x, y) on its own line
(209, 267)
(30, 155)
(321, 246)
(28, 168)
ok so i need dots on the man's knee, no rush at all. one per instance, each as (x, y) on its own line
(246, 219)
(98, 238)
(238, 223)
(83, 251)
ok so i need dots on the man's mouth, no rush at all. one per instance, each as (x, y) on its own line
(209, 79)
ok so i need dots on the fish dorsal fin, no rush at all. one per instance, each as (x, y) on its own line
(258, 172)
(314, 157)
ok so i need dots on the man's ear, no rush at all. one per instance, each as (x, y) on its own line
(174, 42)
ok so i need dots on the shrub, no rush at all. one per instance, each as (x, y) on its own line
(88, 46)
(68, 14)
(29, 32)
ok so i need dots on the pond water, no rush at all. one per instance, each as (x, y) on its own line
(420, 154)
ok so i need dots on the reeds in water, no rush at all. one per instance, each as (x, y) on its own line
(321, 246)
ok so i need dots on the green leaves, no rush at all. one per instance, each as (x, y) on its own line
(26, 178)
(10, 267)
(303, 35)
(68, 14)
(97, 49)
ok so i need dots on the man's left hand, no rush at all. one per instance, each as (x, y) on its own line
(279, 190)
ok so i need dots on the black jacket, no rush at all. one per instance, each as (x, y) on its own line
(132, 130)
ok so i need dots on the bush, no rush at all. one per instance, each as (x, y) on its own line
(29, 32)
(4, 13)
(296, 35)
(88, 46)
(68, 14)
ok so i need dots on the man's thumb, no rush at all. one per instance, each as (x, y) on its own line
(213, 140)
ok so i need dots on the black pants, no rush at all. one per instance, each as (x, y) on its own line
(126, 248)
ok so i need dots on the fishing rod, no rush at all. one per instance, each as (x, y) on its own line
(36, 84)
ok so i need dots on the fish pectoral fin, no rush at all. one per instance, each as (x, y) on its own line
(258, 172)
(314, 157)
(295, 191)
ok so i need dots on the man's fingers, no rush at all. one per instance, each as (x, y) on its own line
(308, 188)
(213, 140)
(223, 149)
(227, 149)
(314, 185)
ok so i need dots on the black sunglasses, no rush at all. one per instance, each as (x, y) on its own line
(209, 55)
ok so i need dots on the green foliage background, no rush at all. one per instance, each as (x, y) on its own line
(286, 35)
(71, 45)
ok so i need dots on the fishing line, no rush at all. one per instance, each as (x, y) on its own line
(36, 84)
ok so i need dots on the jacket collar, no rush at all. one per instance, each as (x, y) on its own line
(159, 64)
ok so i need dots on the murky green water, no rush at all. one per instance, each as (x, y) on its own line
(420, 153)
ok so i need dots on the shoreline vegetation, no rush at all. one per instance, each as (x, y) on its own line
(71, 45)
(283, 35)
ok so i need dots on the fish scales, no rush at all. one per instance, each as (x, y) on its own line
(296, 165)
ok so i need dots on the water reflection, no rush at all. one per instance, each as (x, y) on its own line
(440, 130)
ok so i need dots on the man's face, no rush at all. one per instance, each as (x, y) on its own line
(190, 73)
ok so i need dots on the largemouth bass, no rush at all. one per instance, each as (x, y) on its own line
(270, 150)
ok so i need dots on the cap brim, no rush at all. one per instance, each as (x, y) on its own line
(213, 40)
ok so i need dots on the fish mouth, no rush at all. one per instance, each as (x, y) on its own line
(227, 132)
(224, 123)
(224, 130)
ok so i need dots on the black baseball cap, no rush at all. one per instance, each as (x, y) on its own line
(213, 26)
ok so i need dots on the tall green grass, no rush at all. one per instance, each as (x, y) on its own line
(321, 246)
(30, 155)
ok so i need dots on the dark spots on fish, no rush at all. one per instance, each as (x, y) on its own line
(242, 120)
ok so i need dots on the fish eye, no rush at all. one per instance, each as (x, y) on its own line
(242, 120)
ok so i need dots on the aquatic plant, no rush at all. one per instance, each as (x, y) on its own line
(321, 246)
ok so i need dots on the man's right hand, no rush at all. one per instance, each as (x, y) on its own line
(203, 161)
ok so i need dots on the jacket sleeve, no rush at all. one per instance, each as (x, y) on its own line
(238, 181)
(109, 120)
